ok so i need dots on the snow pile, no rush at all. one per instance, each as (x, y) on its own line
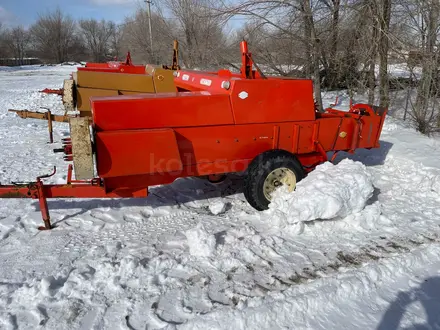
(436, 184)
(328, 192)
(217, 207)
(200, 242)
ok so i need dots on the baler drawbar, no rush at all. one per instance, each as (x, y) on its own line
(216, 123)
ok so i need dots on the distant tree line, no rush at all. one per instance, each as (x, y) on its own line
(340, 44)
(55, 37)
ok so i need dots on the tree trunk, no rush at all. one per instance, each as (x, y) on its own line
(428, 70)
(373, 54)
(384, 24)
(307, 38)
(312, 51)
(333, 62)
(351, 58)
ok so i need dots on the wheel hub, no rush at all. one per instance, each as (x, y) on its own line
(278, 177)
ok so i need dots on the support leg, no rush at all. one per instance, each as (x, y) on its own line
(43, 207)
(321, 150)
(49, 118)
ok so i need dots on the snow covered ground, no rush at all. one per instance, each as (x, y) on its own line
(356, 246)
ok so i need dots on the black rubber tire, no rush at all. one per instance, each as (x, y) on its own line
(260, 168)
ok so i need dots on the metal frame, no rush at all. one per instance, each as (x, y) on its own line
(71, 189)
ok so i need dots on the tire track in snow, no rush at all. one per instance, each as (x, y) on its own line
(149, 231)
(238, 292)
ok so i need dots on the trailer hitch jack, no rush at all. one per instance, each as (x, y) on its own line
(32, 190)
(42, 200)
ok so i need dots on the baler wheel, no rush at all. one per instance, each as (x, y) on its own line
(268, 171)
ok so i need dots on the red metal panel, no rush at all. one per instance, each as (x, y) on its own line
(304, 140)
(382, 113)
(336, 133)
(226, 143)
(160, 110)
(310, 160)
(136, 152)
(340, 130)
(196, 81)
(370, 126)
(148, 180)
(209, 149)
(276, 137)
(265, 101)
(95, 65)
(206, 150)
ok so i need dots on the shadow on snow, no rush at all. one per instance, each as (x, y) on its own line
(427, 294)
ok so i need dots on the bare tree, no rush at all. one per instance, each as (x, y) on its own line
(97, 35)
(426, 117)
(371, 61)
(17, 41)
(275, 51)
(136, 37)
(329, 47)
(3, 51)
(384, 27)
(312, 49)
(53, 35)
(200, 30)
(116, 42)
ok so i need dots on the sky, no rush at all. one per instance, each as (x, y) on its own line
(25, 12)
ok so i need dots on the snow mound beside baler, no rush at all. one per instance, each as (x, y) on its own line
(329, 192)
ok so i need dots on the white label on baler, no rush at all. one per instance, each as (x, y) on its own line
(185, 77)
(205, 82)
(243, 95)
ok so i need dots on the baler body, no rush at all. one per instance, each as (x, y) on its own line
(207, 129)
(207, 124)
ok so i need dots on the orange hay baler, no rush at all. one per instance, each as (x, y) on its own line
(266, 127)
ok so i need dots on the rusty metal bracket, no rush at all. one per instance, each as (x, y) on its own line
(49, 124)
(321, 150)
(52, 91)
(44, 116)
(45, 176)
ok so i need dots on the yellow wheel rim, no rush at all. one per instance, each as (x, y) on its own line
(277, 178)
